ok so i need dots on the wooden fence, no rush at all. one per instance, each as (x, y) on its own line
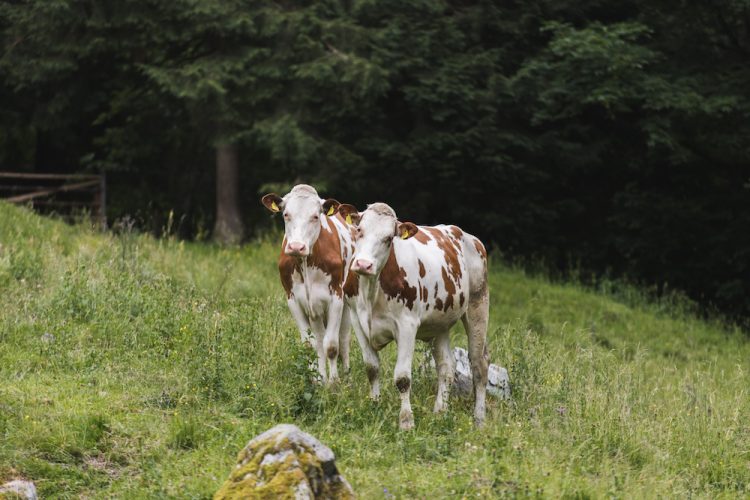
(68, 195)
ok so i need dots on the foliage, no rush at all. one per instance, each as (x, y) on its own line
(614, 395)
(611, 136)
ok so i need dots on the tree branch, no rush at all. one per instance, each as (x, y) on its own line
(333, 50)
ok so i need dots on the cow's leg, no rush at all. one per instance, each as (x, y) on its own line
(331, 339)
(319, 332)
(303, 324)
(345, 336)
(369, 355)
(475, 322)
(402, 374)
(441, 352)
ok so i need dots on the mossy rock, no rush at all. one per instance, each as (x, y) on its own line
(285, 462)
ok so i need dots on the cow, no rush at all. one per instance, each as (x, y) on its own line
(415, 282)
(313, 266)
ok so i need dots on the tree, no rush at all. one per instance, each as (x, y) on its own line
(229, 227)
(610, 136)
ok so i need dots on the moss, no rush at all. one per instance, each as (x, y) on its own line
(294, 468)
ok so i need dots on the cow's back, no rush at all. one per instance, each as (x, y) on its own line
(435, 271)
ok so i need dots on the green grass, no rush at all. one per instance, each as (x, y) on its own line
(167, 357)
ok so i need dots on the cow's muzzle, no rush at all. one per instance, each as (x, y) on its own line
(363, 267)
(296, 249)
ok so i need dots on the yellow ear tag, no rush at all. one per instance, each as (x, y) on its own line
(274, 207)
(330, 211)
(405, 235)
(348, 218)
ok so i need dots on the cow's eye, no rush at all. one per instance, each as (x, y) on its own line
(314, 217)
(387, 239)
(286, 216)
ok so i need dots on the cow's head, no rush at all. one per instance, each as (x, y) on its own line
(375, 230)
(302, 210)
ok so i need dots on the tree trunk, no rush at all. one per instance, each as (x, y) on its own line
(229, 228)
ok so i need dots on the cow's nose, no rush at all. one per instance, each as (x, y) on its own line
(362, 266)
(296, 248)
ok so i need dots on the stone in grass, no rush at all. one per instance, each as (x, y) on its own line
(498, 383)
(285, 462)
(18, 489)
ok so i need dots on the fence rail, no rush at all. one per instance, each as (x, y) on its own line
(63, 194)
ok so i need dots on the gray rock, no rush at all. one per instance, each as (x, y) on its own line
(498, 382)
(23, 489)
(285, 462)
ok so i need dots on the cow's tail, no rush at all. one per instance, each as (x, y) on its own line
(476, 320)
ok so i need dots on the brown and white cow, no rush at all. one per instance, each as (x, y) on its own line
(313, 265)
(415, 282)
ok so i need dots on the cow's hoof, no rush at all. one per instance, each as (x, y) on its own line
(375, 393)
(406, 421)
(439, 408)
(406, 425)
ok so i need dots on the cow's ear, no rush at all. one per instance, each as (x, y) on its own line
(272, 202)
(349, 213)
(330, 206)
(406, 230)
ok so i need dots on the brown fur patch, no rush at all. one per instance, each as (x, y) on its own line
(450, 249)
(421, 237)
(326, 256)
(332, 352)
(351, 286)
(450, 287)
(456, 232)
(439, 304)
(425, 294)
(448, 302)
(287, 267)
(461, 299)
(393, 282)
(480, 248)
(403, 384)
(422, 270)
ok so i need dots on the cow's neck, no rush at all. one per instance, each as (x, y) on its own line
(369, 286)
(367, 297)
(306, 265)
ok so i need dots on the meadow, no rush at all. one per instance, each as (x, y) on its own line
(134, 367)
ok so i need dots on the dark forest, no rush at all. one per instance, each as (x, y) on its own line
(609, 138)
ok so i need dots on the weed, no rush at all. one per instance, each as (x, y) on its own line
(138, 368)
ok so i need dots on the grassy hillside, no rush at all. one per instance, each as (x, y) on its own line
(135, 368)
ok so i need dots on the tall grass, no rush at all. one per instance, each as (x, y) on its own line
(132, 368)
